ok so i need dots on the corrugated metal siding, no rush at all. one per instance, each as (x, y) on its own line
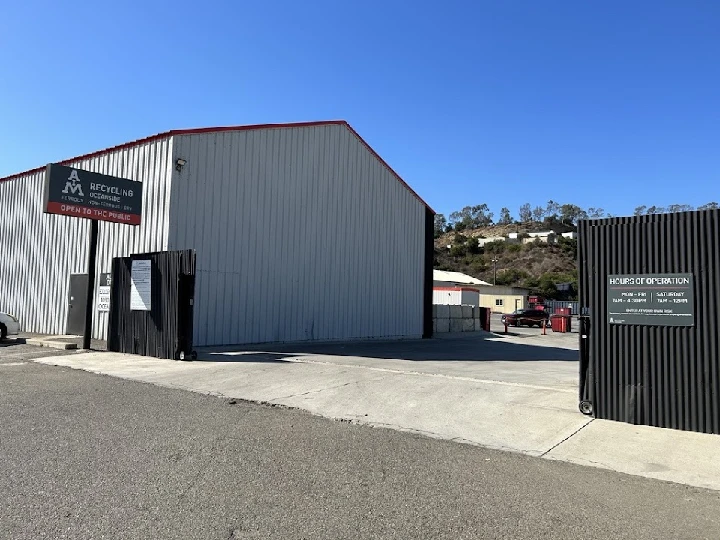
(654, 375)
(301, 234)
(447, 298)
(40, 251)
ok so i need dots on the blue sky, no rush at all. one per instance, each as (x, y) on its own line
(610, 104)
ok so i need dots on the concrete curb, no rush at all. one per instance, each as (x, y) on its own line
(51, 344)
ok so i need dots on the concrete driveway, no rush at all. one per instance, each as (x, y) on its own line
(515, 392)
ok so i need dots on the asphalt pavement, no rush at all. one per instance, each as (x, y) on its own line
(91, 456)
(14, 351)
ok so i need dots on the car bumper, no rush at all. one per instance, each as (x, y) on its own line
(13, 328)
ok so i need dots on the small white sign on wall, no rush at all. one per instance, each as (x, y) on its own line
(141, 285)
(103, 301)
(103, 295)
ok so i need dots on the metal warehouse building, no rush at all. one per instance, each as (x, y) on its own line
(302, 232)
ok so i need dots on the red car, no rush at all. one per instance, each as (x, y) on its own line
(526, 317)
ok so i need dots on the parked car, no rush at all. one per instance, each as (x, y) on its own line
(526, 317)
(9, 325)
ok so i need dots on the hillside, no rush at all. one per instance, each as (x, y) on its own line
(536, 266)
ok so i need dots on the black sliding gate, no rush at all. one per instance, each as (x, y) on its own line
(649, 308)
(151, 304)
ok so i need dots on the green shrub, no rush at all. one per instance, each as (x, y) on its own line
(568, 245)
(458, 250)
(472, 246)
(478, 266)
(495, 247)
(531, 283)
(511, 276)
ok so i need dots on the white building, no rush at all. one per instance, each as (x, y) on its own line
(537, 234)
(483, 241)
(302, 232)
(456, 288)
(442, 278)
(456, 296)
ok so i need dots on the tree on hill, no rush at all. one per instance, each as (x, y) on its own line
(670, 209)
(505, 217)
(570, 214)
(673, 208)
(552, 210)
(538, 214)
(471, 217)
(440, 224)
(709, 206)
(525, 213)
(552, 216)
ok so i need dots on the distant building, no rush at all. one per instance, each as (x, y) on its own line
(442, 278)
(483, 241)
(456, 288)
(503, 299)
(456, 296)
(549, 239)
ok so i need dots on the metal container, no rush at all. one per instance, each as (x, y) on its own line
(558, 323)
(661, 372)
(165, 329)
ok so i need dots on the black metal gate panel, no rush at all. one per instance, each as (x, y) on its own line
(645, 370)
(165, 329)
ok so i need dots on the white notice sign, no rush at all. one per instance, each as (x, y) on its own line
(140, 285)
(103, 302)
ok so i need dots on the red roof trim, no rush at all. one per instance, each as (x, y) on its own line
(381, 160)
(173, 132)
(470, 289)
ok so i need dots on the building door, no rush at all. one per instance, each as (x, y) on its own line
(518, 304)
(186, 299)
(77, 298)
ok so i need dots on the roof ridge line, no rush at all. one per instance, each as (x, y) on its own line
(219, 129)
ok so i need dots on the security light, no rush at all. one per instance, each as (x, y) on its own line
(180, 163)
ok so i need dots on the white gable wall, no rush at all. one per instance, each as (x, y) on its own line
(301, 234)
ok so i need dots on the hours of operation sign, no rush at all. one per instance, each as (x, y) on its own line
(651, 299)
(141, 285)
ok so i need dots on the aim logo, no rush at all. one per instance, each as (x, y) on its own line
(73, 185)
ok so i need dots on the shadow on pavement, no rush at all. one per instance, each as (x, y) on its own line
(487, 347)
(10, 342)
(239, 356)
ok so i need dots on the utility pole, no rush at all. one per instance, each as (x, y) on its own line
(494, 261)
